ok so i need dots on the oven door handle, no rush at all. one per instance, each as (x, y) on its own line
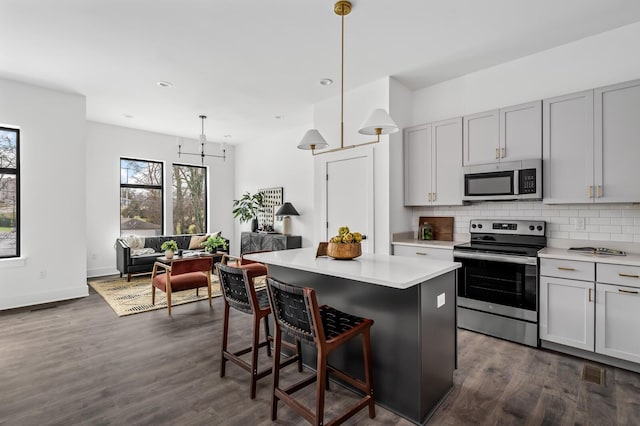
(523, 260)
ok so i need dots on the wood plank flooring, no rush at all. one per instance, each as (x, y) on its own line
(77, 363)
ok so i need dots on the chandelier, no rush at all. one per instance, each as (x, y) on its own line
(203, 140)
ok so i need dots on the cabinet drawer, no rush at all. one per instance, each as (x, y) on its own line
(618, 274)
(571, 269)
(423, 252)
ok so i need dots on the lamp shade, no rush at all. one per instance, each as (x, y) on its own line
(287, 209)
(379, 119)
(312, 140)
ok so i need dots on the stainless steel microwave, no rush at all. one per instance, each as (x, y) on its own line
(512, 180)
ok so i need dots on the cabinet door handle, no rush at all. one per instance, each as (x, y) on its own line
(504, 152)
(598, 191)
(590, 296)
(627, 291)
(628, 275)
(590, 192)
(497, 153)
(421, 254)
(433, 198)
(564, 268)
(428, 196)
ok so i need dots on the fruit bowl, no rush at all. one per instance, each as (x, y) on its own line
(344, 251)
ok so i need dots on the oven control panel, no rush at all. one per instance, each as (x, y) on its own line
(514, 227)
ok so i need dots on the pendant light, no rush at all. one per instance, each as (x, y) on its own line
(378, 123)
(203, 139)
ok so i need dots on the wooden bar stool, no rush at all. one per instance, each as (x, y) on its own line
(297, 314)
(239, 293)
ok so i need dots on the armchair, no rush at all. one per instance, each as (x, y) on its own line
(180, 275)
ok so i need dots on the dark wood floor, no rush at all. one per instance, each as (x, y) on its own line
(77, 363)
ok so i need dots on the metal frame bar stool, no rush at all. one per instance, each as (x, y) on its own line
(298, 315)
(239, 293)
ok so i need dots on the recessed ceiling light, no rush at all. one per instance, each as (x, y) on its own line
(326, 82)
(227, 136)
(278, 117)
(165, 84)
(127, 115)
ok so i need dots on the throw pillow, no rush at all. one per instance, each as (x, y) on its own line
(197, 241)
(134, 241)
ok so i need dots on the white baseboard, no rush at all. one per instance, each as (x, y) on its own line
(101, 272)
(45, 297)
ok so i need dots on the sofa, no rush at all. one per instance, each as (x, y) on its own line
(137, 254)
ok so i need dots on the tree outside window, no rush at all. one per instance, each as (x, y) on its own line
(9, 192)
(189, 199)
(141, 187)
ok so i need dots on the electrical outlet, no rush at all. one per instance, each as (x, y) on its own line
(580, 224)
(43, 274)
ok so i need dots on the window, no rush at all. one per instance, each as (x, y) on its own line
(189, 199)
(141, 197)
(9, 192)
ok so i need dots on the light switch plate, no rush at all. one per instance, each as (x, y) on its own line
(440, 300)
(580, 224)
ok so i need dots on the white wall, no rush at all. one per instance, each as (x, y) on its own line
(52, 196)
(276, 162)
(607, 58)
(603, 59)
(105, 145)
(358, 104)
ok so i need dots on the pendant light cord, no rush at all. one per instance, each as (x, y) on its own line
(342, 88)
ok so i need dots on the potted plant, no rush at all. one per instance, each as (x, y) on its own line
(247, 207)
(212, 243)
(169, 247)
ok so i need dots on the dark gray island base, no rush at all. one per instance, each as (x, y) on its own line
(412, 340)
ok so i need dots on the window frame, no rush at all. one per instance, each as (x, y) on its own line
(140, 186)
(206, 194)
(14, 171)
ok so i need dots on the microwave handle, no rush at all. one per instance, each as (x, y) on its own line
(516, 182)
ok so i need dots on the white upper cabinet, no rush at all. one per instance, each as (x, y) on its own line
(417, 165)
(507, 134)
(567, 148)
(481, 135)
(591, 147)
(433, 164)
(446, 177)
(617, 143)
(521, 132)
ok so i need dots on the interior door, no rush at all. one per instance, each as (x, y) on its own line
(350, 197)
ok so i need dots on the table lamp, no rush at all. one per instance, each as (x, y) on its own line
(287, 210)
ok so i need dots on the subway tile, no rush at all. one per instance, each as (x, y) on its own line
(628, 221)
(610, 213)
(631, 229)
(611, 229)
(631, 213)
(600, 236)
(568, 213)
(559, 235)
(559, 220)
(589, 213)
(599, 221)
(579, 235)
(622, 237)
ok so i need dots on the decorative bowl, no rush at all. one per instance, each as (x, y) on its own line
(344, 251)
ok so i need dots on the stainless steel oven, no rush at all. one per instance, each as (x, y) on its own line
(498, 281)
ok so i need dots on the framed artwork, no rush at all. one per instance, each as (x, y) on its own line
(271, 197)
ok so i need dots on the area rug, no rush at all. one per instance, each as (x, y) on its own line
(128, 298)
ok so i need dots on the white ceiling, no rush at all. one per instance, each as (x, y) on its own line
(243, 62)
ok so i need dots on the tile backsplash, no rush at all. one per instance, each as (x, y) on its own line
(602, 222)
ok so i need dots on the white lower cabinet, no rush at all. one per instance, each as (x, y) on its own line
(423, 252)
(598, 313)
(567, 312)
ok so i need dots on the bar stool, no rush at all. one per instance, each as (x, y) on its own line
(239, 293)
(297, 314)
(256, 269)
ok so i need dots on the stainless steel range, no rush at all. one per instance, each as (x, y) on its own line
(498, 281)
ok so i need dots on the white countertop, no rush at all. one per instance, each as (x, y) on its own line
(438, 244)
(391, 271)
(631, 259)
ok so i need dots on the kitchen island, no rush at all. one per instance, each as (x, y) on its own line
(412, 303)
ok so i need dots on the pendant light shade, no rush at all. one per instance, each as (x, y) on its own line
(378, 123)
(312, 140)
